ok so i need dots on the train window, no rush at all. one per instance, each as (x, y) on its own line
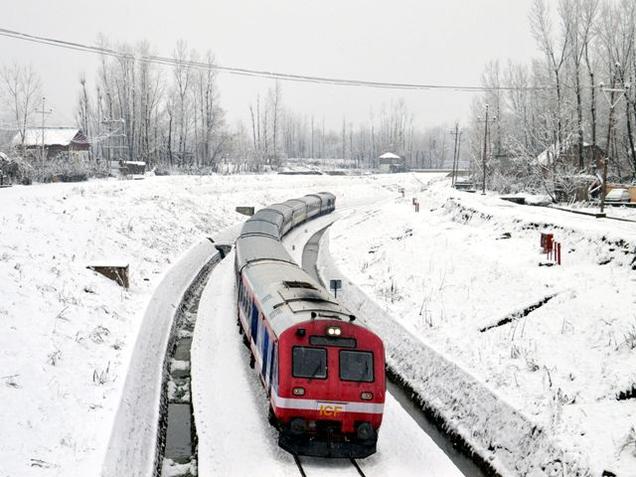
(275, 366)
(264, 347)
(254, 324)
(309, 362)
(356, 366)
(332, 341)
(260, 333)
(272, 363)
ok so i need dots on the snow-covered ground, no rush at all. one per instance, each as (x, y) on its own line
(68, 333)
(231, 406)
(466, 261)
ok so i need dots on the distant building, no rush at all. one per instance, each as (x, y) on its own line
(569, 155)
(54, 140)
(389, 162)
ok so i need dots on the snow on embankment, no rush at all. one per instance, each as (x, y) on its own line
(528, 360)
(133, 441)
(68, 333)
(605, 239)
(491, 427)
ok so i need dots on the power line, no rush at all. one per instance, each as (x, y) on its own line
(166, 61)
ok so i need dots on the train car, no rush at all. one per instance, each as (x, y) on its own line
(287, 212)
(276, 217)
(299, 208)
(323, 373)
(314, 205)
(255, 226)
(328, 202)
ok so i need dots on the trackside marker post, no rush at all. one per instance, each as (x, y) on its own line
(335, 285)
(551, 248)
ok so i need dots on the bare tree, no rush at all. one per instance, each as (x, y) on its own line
(556, 50)
(276, 104)
(182, 73)
(581, 14)
(23, 90)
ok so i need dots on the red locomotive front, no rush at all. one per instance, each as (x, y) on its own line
(329, 395)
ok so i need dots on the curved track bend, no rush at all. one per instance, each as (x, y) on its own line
(460, 460)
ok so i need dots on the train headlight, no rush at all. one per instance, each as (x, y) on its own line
(366, 396)
(365, 431)
(334, 331)
(297, 426)
(298, 391)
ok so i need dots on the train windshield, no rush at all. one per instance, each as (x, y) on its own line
(356, 366)
(309, 362)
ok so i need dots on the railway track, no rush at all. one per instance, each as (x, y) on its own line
(303, 473)
(357, 466)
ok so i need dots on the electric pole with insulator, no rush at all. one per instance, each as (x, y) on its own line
(612, 101)
(457, 133)
(43, 112)
(485, 152)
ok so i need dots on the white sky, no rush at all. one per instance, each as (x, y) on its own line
(416, 41)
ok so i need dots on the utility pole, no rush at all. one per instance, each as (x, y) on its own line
(483, 160)
(485, 152)
(459, 147)
(116, 130)
(612, 101)
(457, 133)
(43, 112)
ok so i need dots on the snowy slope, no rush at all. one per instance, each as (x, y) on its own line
(450, 271)
(68, 333)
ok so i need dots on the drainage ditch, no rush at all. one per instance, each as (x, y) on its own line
(177, 437)
(517, 315)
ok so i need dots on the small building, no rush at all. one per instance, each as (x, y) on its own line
(55, 141)
(127, 168)
(389, 162)
(133, 167)
(569, 156)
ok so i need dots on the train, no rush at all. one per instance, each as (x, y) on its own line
(324, 374)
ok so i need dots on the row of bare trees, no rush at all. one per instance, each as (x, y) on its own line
(170, 116)
(276, 133)
(164, 115)
(576, 104)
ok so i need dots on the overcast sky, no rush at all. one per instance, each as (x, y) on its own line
(415, 41)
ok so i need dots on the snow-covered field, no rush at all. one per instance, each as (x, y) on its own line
(68, 333)
(451, 272)
(443, 274)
